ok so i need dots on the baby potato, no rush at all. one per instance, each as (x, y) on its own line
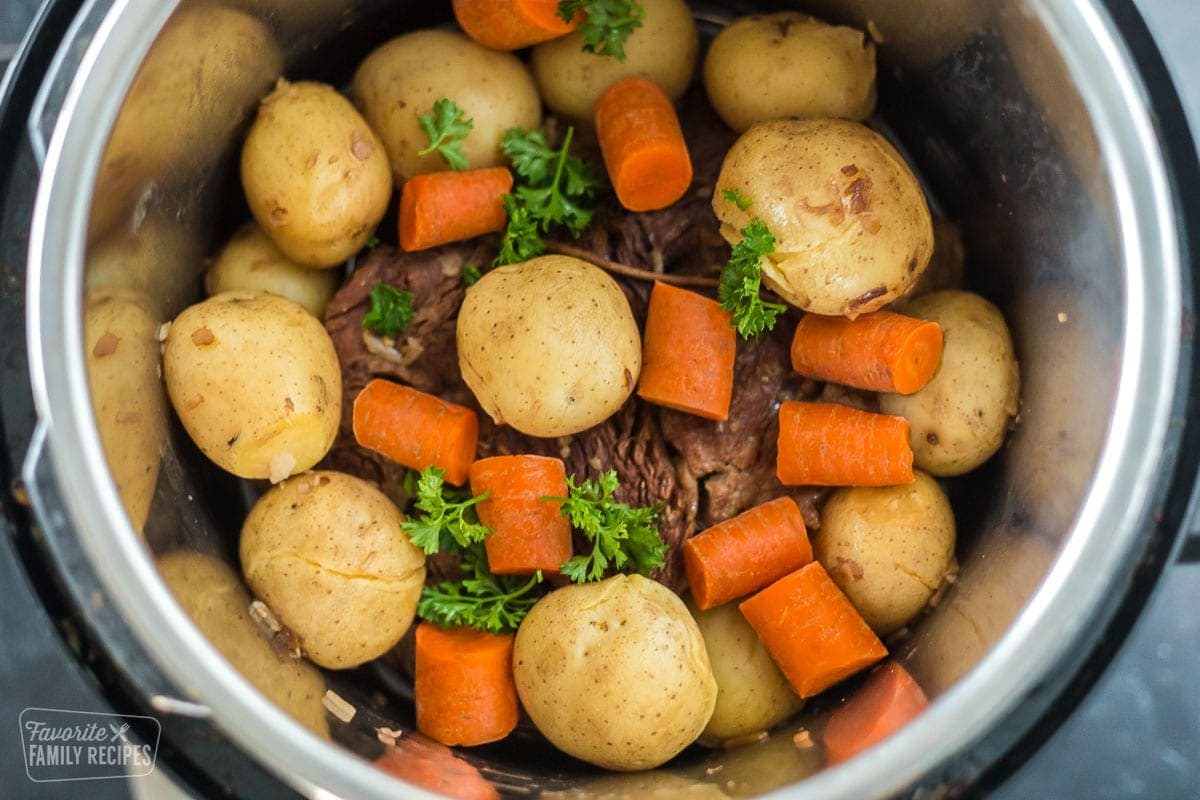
(663, 49)
(251, 262)
(255, 381)
(752, 694)
(615, 673)
(212, 594)
(326, 552)
(888, 549)
(851, 226)
(401, 80)
(787, 64)
(961, 416)
(549, 346)
(315, 175)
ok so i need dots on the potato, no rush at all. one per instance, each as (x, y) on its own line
(121, 353)
(316, 176)
(255, 381)
(615, 673)
(251, 262)
(961, 416)
(888, 549)
(326, 552)
(549, 346)
(752, 694)
(155, 267)
(402, 79)
(211, 593)
(786, 64)
(852, 230)
(663, 49)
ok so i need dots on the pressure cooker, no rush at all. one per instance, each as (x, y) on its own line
(1045, 127)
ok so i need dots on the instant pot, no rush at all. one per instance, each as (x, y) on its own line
(1047, 128)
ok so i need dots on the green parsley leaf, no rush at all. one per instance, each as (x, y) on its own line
(446, 127)
(371, 243)
(736, 197)
(521, 241)
(622, 538)
(481, 600)
(391, 311)
(448, 522)
(608, 23)
(471, 274)
(741, 280)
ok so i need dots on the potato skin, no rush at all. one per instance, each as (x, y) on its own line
(664, 50)
(615, 673)
(212, 594)
(403, 78)
(961, 416)
(752, 694)
(852, 229)
(326, 552)
(787, 64)
(888, 549)
(251, 262)
(315, 175)
(549, 346)
(255, 381)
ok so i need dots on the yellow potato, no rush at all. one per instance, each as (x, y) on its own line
(549, 346)
(851, 226)
(255, 381)
(889, 549)
(615, 673)
(211, 593)
(787, 64)
(326, 552)
(316, 176)
(121, 353)
(155, 267)
(961, 416)
(251, 262)
(401, 80)
(752, 694)
(663, 49)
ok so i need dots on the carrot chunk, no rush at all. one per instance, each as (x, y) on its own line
(696, 377)
(642, 144)
(418, 760)
(464, 689)
(528, 533)
(888, 701)
(811, 630)
(746, 553)
(824, 444)
(512, 24)
(441, 207)
(879, 352)
(416, 429)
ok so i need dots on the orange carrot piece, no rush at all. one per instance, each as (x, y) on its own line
(512, 24)
(746, 553)
(696, 376)
(464, 689)
(425, 763)
(528, 533)
(416, 429)
(811, 630)
(888, 701)
(642, 144)
(879, 352)
(824, 444)
(441, 207)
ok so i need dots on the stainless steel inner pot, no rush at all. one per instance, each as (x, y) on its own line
(1030, 125)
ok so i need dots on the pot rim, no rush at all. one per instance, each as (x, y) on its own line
(1082, 587)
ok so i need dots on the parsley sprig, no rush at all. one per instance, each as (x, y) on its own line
(480, 600)
(446, 127)
(741, 281)
(391, 311)
(448, 520)
(622, 537)
(607, 23)
(736, 197)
